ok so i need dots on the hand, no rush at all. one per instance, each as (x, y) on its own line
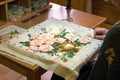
(100, 33)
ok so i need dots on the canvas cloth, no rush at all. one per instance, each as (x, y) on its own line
(68, 70)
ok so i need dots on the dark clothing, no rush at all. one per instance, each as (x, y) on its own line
(107, 66)
(56, 77)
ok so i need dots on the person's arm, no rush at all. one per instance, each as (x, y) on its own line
(99, 33)
(108, 62)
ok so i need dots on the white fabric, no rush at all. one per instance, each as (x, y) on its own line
(68, 70)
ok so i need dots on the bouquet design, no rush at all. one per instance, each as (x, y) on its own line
(59, 42)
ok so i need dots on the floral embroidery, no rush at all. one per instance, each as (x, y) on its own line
(57, 42)
(8, 36)
(110, 55)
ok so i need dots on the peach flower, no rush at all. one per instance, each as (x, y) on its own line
(32, 47)
(71, 37)
(59, 40)
(45, 47)
(85, 39)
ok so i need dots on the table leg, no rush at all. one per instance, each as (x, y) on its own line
(36, 74)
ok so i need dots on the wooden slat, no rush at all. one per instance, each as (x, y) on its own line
(3, 13)
(27, 16)
(2, 2)
(106, 9)
(18, 60)
(10, 0)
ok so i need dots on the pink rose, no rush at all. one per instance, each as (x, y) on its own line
(85, 39)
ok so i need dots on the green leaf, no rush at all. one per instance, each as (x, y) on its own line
(56, 46)
(77, 43)
(51, 52)
(44, 30)
(62, 34)
(15, 32)
(64, 59)
(26, 43)
(70, 54)
(29, 35)
(67, 55)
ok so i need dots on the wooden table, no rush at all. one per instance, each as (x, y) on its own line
(33, 71)
(59, 12)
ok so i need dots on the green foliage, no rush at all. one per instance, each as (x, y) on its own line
(29, 35)
(44, 30)
(26, 43)
(56, 47)
(51, 52)
(15, 32)
(62, 34)
(77, 43)
(67, 55)
(70, 54)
